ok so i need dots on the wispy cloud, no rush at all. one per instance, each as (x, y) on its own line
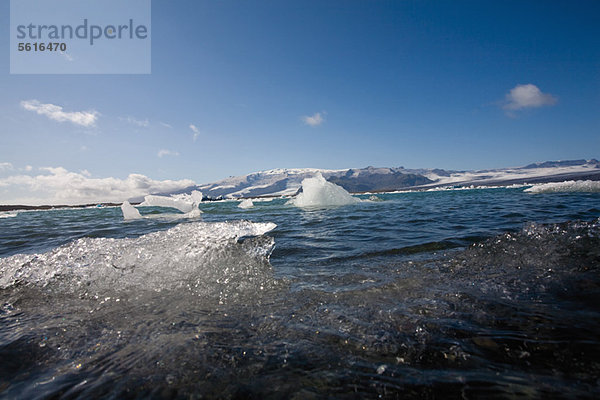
(142, 123)
(60, 186)
(166, 125)
(164, 152)
(314, 120)
(6, 166)
(196, 131)
(56, 113)
(522, 97)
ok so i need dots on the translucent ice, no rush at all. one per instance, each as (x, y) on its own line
(205, 257)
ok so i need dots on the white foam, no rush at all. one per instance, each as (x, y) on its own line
(246, 203)
(566, 186)
(129, 211)
(317, 192)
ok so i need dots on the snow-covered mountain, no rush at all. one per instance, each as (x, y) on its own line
(277, 182)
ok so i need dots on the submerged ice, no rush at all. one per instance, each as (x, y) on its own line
(206, 258)
(318, 192)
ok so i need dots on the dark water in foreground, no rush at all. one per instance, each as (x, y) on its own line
(460, 294)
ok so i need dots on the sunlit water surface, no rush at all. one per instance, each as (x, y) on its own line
(478, 293)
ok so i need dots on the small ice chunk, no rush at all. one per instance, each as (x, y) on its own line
(129, 211)
(317, 192)
(566, 186)
(8, 215)
(246, 203)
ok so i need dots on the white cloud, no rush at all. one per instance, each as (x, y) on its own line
(527, 96)
(196, 131)
(314, 120)
(59, 186)
(164, 152)
(5, 166)
(28, 168)
(166, 125)
(56, 113)
(143, 123)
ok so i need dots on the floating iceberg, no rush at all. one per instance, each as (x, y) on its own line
(129, 211)
(247, 203)
(566, 186)
(8, 214)
(186, 203)
(183, 202)
(317, 192)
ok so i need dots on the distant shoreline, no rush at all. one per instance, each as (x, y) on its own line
(52, 207)
(594, 176)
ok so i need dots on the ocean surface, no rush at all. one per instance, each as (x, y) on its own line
(482, 293)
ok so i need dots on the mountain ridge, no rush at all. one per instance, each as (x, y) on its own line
(287, 181)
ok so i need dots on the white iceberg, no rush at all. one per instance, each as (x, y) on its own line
(186, 203)
(317, 192)
(183, 202)
(246, 203)
(129, 211)
(566, 186)
(8, 214)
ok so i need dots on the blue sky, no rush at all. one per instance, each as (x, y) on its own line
(324, 84)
